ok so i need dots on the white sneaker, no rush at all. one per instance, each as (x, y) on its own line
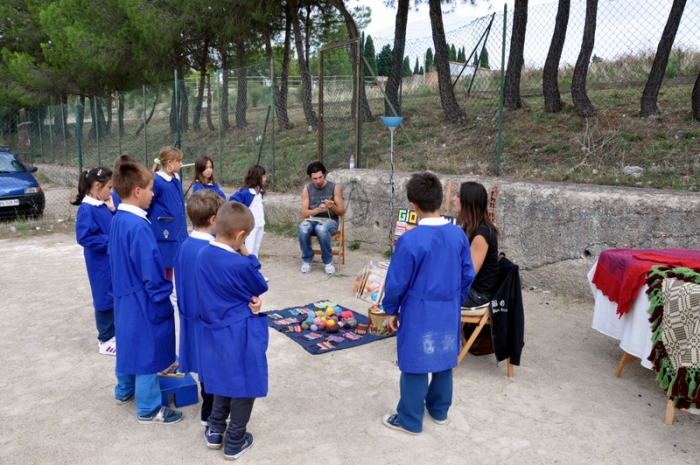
(305, 267)
(108, 347)
(266, 279)
(330, 269)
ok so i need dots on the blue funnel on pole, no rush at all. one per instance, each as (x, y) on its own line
(391, 122)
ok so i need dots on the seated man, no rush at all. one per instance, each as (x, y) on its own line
(321, 205)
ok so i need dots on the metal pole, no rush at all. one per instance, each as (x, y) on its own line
(97, 132)
(53, 154)
(78, 138)
(499, 139)
(391, 196)
(177, 144)
(40, 123)
(64, 121)
(272, 103)
(320, 105)
(218, 100)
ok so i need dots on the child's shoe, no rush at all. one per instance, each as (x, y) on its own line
(123, 400)
(214, 440)
(232, 454)
(108, 347)
(162, 415)
(392, 422)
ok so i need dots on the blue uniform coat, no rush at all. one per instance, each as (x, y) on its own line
(234, 340)
(244, 196)
(188, 303)
(214, 187)
(143, 315)
(92, 232)
(429, 276)
(168, 204)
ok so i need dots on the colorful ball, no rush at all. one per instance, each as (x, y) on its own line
(321, 327)
(317, 320)
(334, 318)
(330, 323)
(330, 311)
(313, 328)
(309, 321)
(332, 329)
(319, 313)
(346, 314)
(351, 322)
(304, 325)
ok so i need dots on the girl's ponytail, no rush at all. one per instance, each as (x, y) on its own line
(88, 178)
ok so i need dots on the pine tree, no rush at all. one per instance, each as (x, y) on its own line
(384, 61)
(406, 68)
(453, 53)
(461, 56)
(484, 59)
(429, 60)
(416, 68)
(370, 55)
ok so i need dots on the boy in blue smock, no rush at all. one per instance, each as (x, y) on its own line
(429, 277)
(143, 315)
(234, 336)
(201, 208)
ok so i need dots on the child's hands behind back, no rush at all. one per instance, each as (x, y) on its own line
(255, 305)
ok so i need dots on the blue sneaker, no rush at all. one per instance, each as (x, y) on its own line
(231, 453)
(392, 422)
(214, 440)
(162, 415)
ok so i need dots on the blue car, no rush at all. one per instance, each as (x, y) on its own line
(20, 193)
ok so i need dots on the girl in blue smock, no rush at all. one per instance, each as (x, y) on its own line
(167, 210)
(204, 176)
(95, 211)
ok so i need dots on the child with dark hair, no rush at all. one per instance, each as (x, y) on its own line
(234, 336)
(201, 208)
(120, 159)
(204, 176)
(143, 315)
(428, 278)
(92, 222)
(251, 195)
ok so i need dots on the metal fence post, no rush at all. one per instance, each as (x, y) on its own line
(499, 140)
(145, 130)
(78, 138)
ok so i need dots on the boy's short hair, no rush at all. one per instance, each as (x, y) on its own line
(425, 191)
(315, 167)
(128, 176)
(233, 217)
(202, 205)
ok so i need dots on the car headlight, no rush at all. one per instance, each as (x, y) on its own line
(32, 190)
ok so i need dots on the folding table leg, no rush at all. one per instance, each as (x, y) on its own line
(626, 358)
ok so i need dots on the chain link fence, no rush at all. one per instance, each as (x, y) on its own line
(236, 133)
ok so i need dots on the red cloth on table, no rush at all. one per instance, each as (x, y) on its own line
(621, 272)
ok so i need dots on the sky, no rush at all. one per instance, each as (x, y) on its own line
(624, 27)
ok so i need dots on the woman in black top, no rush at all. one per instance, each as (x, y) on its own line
(470, 206)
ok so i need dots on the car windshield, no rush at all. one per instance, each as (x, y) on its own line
(10, 164)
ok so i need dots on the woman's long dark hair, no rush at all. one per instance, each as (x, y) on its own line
(474, 200)
(254, 178)
(88, 178)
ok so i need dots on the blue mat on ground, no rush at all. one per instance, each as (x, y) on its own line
(288, 321)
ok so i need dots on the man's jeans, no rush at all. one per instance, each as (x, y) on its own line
(323, 230)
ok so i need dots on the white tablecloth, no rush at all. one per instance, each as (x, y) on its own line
(633, 329)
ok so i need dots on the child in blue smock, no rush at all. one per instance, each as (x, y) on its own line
(428, 278)
(143, 315)
(204, 176)
(201, 208)
(234, 336)
(95, 211)
(251, 195)
(167, 210)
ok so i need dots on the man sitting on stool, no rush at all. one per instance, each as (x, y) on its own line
(321, 205)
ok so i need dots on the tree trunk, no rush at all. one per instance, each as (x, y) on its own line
(92, 134)
(172, 117)
(280, 101)
(309, 113)
(550, 74)
(582, 105)
(184, 107)
(101, 121)
(695, 99)
(81, 114)
(394, 78)
(511, 90)
(223, 111)
(108, 127)
(120, 113)
(354, 34)
(658, 69)
(242, 98)
(447, 96)
(148, 119)
(64, 116)
(200, 98)
(210, 124)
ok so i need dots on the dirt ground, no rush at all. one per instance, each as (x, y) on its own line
(563, 406)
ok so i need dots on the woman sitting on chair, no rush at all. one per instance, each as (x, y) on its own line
(471, 208)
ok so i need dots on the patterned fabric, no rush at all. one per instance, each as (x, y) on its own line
(681, 322)
(674, 295)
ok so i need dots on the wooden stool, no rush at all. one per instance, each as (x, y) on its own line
(337, 250)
